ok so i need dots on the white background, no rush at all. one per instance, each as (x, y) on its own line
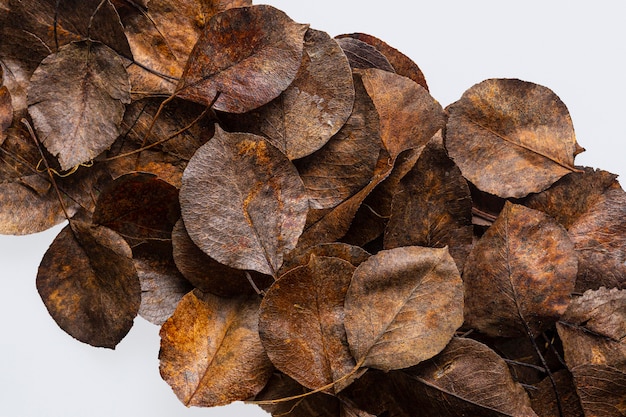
(576, 48)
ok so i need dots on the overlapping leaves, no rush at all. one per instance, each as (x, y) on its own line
(305, 222)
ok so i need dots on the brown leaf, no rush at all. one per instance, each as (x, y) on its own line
(432, 206)
(76, 99)
(409, 116)
(162, 285)
(211, 354)
(314, 106)
(602, 390)
(362, 55)
(6, 112)
(301, 323)
(510, 137)
(403, 306)
(208, 275)
(402, 64)
(236, 51)
(353, 254)
(89, 285)
(525, 265)
(544, 401)
(243, 202)
(346, 163)
(139, 206)
(467, 378)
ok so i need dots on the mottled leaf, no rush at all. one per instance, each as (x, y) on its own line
(243, 202)
(362, 55)
(76, 99)
(301, 323)
(211, 353)
(403, 306)
(6, 112)
(247, 55)
(510, 137)
(89, 285)
(525, 266)
(353, 254)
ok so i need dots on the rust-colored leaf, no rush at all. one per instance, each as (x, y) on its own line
(432, 206)
(409, 115)
(208, 275)
(525, 265)
(243, 202)
(346, 163)
(6, 112)
(402, 64)
(353, 254)
(76, 99)
(467, 378)
(602, 390)
(235, 54)
(211, 353)
(510, 137)
(403, 306)
(301, 323)
(362, 55)
(89, 285)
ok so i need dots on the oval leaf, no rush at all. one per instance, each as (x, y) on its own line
(510, 137)
(89, 285)
(243, 202)
(403, 306)
(76, 99)
(211, 354)
(525, 265)
(249, 55)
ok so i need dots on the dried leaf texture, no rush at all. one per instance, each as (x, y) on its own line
(510, 137)
(353, 254)
(519, 276)
(362, 55)
(544, 401)
(211, 354)
(89, 284)
(602, 390)
(249, 55)
(467, 378)
(6, 111)
(409, 115)
(346, 163)
(432, 206)
(76, 99)
(403, 306)
(243, 202)
(301, 323)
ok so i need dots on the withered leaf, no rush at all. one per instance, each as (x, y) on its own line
(6, 112)
(139, 206)
(602, 390)
(353, 254)
(211, 353)
(162, 285)
(467, 378)
(301, 323)
(402, 64)
(235, 54)
(519, 276)
(76, 99)
(510, 137)
(314, 106)
(403, 306)
(544, 401)
(243, 202)
(89, 284)
(409, 115)
(346, 163)
(432, 206)
(362, 55)
(208, 275)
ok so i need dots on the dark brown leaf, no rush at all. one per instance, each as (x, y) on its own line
(432, 206)
(301, 323)
(353, 254)
(403, 306)
(602, 390)
(89, 285)
(402, 64)
(76, 99)
(236, 51)
(6, 112)
(243, 202)
(346, 163)
(211, 354)
(208, 275)
(544, 401)
(525, 265)
(510, 137)
(467, 378)
(362, 55)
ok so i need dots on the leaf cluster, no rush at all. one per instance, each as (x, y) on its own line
(312, 231)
